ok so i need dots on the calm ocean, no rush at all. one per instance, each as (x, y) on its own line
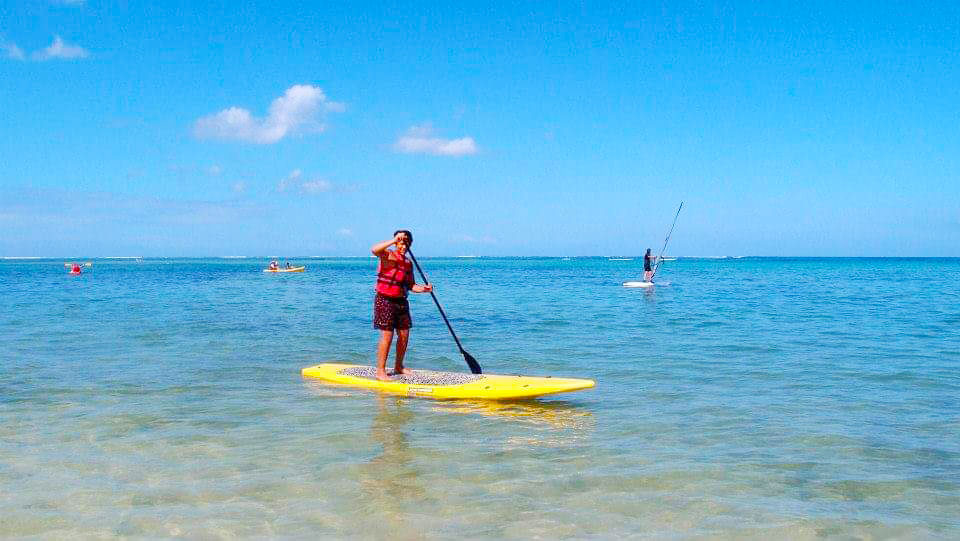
(748, 398)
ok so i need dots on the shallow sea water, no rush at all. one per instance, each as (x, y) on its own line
(749, 398)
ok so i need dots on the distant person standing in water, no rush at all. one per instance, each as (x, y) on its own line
(391, 311)
(648, 260)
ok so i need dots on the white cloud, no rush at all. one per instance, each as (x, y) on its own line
(11, 51)
(345, 232)
(289, 180)
(239, 187)
(214, 170)
(299, 110)
(316, 186)
(294, 181)
(60, 49)
(420, 140)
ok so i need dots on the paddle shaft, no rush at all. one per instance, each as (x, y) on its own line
(471, 362)
(665, 241)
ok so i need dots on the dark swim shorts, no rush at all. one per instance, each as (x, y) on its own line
(391, 313)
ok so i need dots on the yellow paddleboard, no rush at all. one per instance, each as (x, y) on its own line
(444, 385)
(291, 269)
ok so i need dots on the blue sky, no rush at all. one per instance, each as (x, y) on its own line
(274, 128)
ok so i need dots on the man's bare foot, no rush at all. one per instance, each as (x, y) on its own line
(403, 370)
(382, 375)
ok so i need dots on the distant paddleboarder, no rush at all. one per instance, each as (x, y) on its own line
(391, 311)
(648, 261)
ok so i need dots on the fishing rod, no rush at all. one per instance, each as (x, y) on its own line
(665, 241)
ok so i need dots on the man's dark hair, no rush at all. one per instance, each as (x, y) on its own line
(405, 232)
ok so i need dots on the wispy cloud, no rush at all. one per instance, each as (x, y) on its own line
(300, 110)
(51, 206)
(61, 50)
(345, 232)
(316, 186)
(420, 140)
(10, 50)
(470, 239)
(239, 187)
(70, 2)
(118, 224)
(289, 180)
(214, 170)
(294, 181)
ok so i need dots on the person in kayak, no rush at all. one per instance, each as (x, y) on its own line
(274, 265)
(391, 311)
(76, 269)
(648, 260)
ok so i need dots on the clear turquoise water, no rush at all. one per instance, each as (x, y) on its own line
(763, 398)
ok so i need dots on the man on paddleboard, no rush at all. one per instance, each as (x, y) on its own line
(648, 260)
(391, 311)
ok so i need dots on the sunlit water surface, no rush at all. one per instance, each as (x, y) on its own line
(763, 398)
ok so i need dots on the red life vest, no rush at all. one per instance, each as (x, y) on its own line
(394, 278)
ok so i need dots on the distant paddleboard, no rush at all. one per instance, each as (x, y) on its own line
(645, 284)
(660, 257)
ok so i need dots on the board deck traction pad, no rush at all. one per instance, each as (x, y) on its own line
(419, 377)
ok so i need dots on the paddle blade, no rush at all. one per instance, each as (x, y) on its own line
(471, 362)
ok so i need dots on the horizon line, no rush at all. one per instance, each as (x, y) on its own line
(608, 256)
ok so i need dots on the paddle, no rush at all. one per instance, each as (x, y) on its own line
(471, 362)
(656, 267)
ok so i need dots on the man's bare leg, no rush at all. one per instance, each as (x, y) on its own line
(403, 335)
(383, 349)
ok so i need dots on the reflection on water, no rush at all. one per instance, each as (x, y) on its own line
(391, 481)
(554, 414)
(327, 390)
(543, 424)
(408, 480)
